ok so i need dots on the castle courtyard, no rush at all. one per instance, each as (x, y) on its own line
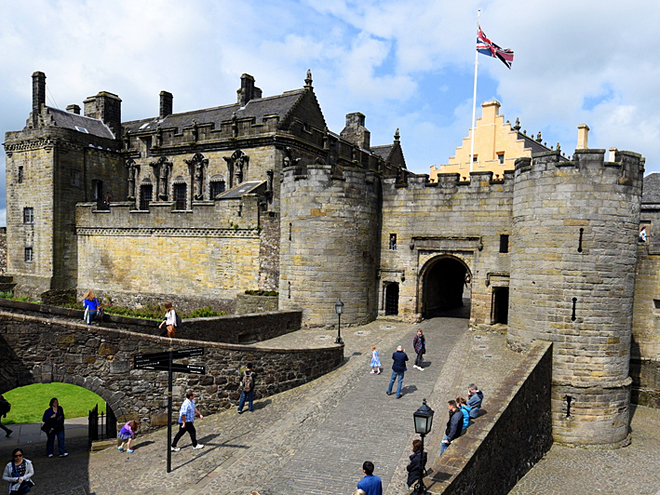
(314, 438)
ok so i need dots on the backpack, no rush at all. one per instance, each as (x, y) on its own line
(177, 321)
(5, 407)
(247, 381)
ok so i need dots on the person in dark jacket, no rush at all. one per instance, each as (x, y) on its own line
(54, 427)
(454, 425)
(398, 370)
(475, 397)
(416, 458)
(247, 388)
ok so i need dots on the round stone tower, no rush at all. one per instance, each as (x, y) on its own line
(574, 237)
(329, 243)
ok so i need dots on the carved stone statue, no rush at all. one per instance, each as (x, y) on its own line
(237, 166)
(197, 164)
(162, 169)
(132, 167)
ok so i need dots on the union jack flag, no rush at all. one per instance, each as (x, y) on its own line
(487, 47)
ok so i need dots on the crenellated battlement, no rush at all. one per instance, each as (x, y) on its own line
(626, 164)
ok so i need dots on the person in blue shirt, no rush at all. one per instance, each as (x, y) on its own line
(370, 484)
(91, 305)
(186, 420)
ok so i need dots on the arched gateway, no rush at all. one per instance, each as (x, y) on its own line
(445, 284)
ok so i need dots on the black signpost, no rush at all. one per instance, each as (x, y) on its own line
(162, 361)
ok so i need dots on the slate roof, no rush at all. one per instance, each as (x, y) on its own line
(80, 123)
(651, 191)
(530, 142)
(258, 107)
(246, 187)
(383, 151)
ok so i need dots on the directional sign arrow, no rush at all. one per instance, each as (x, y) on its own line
(183, 353)
(180, 368)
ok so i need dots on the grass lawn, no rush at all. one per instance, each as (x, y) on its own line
(29, 403)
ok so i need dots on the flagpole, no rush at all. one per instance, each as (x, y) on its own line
(474, 98)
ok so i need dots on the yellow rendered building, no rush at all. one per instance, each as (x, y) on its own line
(497, 146)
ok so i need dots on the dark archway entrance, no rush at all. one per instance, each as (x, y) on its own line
(392, 299)
(444, 286)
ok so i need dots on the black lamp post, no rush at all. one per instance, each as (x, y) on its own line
(423, 422)
(339, 307)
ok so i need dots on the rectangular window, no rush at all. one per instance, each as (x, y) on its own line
(75, 178)
(146, 193)
(500, 158)
(217, 187)
(474, 158)
(28, 215)
(392, 242)
(20, 174)
(504, 243)
(28, 254)
(180, 196)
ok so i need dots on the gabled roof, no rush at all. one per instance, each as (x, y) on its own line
(383, 151)
(80, 123)
(651, 190)
(258, 108)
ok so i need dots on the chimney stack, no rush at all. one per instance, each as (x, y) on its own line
(583, 137)
(106, 107)
(248, 90)
(165, 104)
(38, 95)
(355, 131)
(73, 109)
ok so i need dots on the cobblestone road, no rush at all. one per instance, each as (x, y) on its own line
(313, 439)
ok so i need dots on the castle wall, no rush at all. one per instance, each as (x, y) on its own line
(645, 349)
(463, 221)
(329, 243)
(204, 256)
(574, 242)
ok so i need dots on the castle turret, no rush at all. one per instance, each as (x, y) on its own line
(574, 248)
(329, 243)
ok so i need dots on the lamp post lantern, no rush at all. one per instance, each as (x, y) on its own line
(423, 418)
(339, 307)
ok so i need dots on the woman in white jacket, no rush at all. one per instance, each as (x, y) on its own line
(18, 473)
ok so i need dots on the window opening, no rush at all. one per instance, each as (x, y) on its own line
(20, 174)
(180, 196)
(393, 242)
(504, 243)
(28, 254)
(28, 215)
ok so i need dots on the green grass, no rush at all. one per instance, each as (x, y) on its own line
(29, 403)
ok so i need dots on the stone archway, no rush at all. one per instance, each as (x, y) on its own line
(444, 285)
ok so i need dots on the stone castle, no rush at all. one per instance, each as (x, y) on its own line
(201, 206)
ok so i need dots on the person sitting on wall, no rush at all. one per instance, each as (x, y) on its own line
(454, 425)
(475, 397)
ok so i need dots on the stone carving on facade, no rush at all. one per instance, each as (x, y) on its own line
(162, 170)
(197, 165)
(195, 130)
(237, 166)
(132, 168)
(269, 182)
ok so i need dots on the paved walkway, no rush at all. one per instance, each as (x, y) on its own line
(313, 439)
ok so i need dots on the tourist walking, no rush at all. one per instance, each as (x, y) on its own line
(91, 305)
(54, 427)
(186, 422)
(375, 361)
(372, 485)
(5, 407)
(247, 388)
(419, 343)
(18, 473)
(399, 368)
(126, 434)
(170, 321)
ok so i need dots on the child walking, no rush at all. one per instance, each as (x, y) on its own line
(128, 431)
(375, 361)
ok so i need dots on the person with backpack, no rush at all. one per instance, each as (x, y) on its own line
(172, 321)
(247, 388)
(5, 407)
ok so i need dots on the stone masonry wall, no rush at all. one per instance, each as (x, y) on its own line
(447, 218)
(574, 249)
(38, 349)
(498, 449)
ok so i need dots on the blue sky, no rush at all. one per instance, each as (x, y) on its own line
(404, 64)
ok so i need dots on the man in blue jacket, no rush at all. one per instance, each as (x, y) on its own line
(398, 370)
(372, 485)
(454, 425)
